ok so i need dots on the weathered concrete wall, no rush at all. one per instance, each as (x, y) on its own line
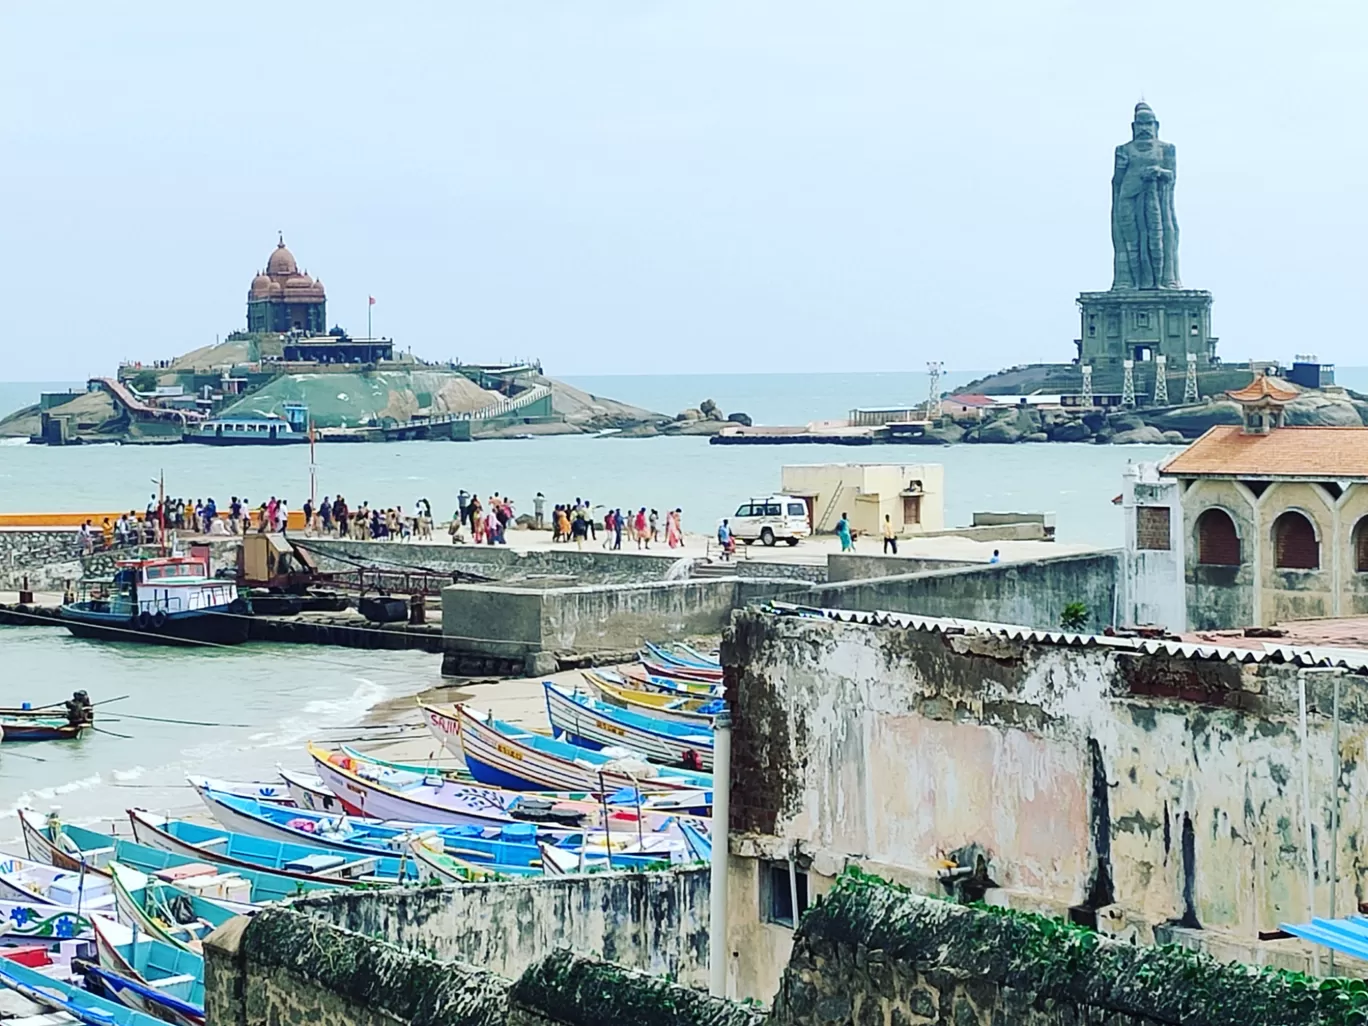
(1033, 592)
(656, 922)
(47, 556)
(847, 566)
(1160, 793)
(872, 953)
(497, 561)
(284, 968)
(280, 968)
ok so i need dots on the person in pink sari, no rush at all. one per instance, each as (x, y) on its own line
(674, 530)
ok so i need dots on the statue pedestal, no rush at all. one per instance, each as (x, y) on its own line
(1140, 324)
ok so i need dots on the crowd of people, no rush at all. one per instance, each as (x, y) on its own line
(483, 521)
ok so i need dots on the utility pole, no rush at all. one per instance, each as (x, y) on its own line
(1161, 380)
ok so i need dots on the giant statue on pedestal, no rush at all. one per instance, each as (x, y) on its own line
(1147, 318)
(1144, 225)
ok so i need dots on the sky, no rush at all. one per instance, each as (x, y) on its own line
(651, 187)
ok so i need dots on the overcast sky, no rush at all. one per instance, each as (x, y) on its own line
(659, 187)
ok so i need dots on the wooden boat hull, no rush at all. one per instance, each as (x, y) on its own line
(316, 796)
(41, 730)
(123, 981)
(595, 726)
(675, 708)
(713, 677)
(52, 993)
(226, 625)
(504, 760)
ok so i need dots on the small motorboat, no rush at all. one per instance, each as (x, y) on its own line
(167, 600)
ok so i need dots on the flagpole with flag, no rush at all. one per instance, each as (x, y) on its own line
(369, 333)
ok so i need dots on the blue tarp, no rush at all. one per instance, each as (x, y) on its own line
(1348, 936)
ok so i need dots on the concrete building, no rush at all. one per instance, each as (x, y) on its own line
(913, 496)
(284, 298)
(1274, 520)
(1150, 588)
(1151, 789)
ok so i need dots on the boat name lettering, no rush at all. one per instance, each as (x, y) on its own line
(512, 753)
(610, 728)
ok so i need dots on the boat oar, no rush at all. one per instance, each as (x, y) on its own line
(21, 755)
(101, 730)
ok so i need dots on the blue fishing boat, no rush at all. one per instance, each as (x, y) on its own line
(514, 850)
(683, 656)
(168, 600)
(304, 862)
(584, 721)
(89, 852)
(175, 916)
(149, 975)
(81, 1005)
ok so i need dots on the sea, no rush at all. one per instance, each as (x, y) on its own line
(239, 713)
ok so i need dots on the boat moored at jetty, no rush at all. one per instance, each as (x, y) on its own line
(167, 600)
(247, 429)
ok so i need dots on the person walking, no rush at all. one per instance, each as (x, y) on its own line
(538, 509)
(890, 537)
(643, 538)
(463, 506)
(325, 516)
(843, 532)
(724, 539)
(674, 529)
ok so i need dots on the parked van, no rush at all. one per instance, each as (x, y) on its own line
(771, 518)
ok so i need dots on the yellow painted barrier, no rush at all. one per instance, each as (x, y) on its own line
(41, 520)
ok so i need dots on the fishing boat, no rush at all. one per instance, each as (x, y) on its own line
(637, 677)
(68, 999)
(79, 849)
(596, 725)
(684, 656)
(167, 600)
(178, 917)
(504, 755)
(457, 773)
(308, 791)
(35, 729)
(303, 862)
(274, 792)
(45, 885)
(689, 673)
(697, 711)
(149, 975)
(29, 914)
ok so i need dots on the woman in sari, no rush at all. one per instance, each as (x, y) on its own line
(674, 530)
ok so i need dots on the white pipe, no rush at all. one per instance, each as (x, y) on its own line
(1306, 818)
(717, 914)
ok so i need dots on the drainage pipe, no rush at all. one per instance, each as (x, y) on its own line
(717, 913)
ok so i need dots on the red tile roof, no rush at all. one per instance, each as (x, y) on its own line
(1330, 453)
(1264, 387)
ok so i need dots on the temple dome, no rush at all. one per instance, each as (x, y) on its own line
(282, 262)
(299, 281)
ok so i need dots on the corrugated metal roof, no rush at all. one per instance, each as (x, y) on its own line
(1348, 936)
(1306, 656)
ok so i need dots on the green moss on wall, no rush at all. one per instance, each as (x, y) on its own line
(1054, 960)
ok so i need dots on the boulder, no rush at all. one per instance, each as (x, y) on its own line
(1193, 420)
(1143, 435)
(1000, 432)
(689, 414)
(1119, 422)
(1095, 420)
(1323, 411)
(1175, 438)
(1036, 436)
(710, 410)
(739, 418)
(1071, 431)
(945, 434)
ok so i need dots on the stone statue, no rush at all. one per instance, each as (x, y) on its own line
(1144, 225)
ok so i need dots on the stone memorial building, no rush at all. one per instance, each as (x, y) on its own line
(282, 298)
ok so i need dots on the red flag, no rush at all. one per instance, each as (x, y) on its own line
(372, 300)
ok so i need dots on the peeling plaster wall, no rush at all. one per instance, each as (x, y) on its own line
(656, 922)
(1164, 785)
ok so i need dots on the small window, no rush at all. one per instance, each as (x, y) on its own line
(797, 509)
(743, 511)
(772, 509)
(1361, 546)
(1294, 543)
(1217, 542)
(777, 891)
(1151, 527)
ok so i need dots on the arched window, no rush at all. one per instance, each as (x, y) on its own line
(1217, 542)
(1294, 542)
(1361, 546)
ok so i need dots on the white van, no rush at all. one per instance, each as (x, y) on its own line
(771, 518)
